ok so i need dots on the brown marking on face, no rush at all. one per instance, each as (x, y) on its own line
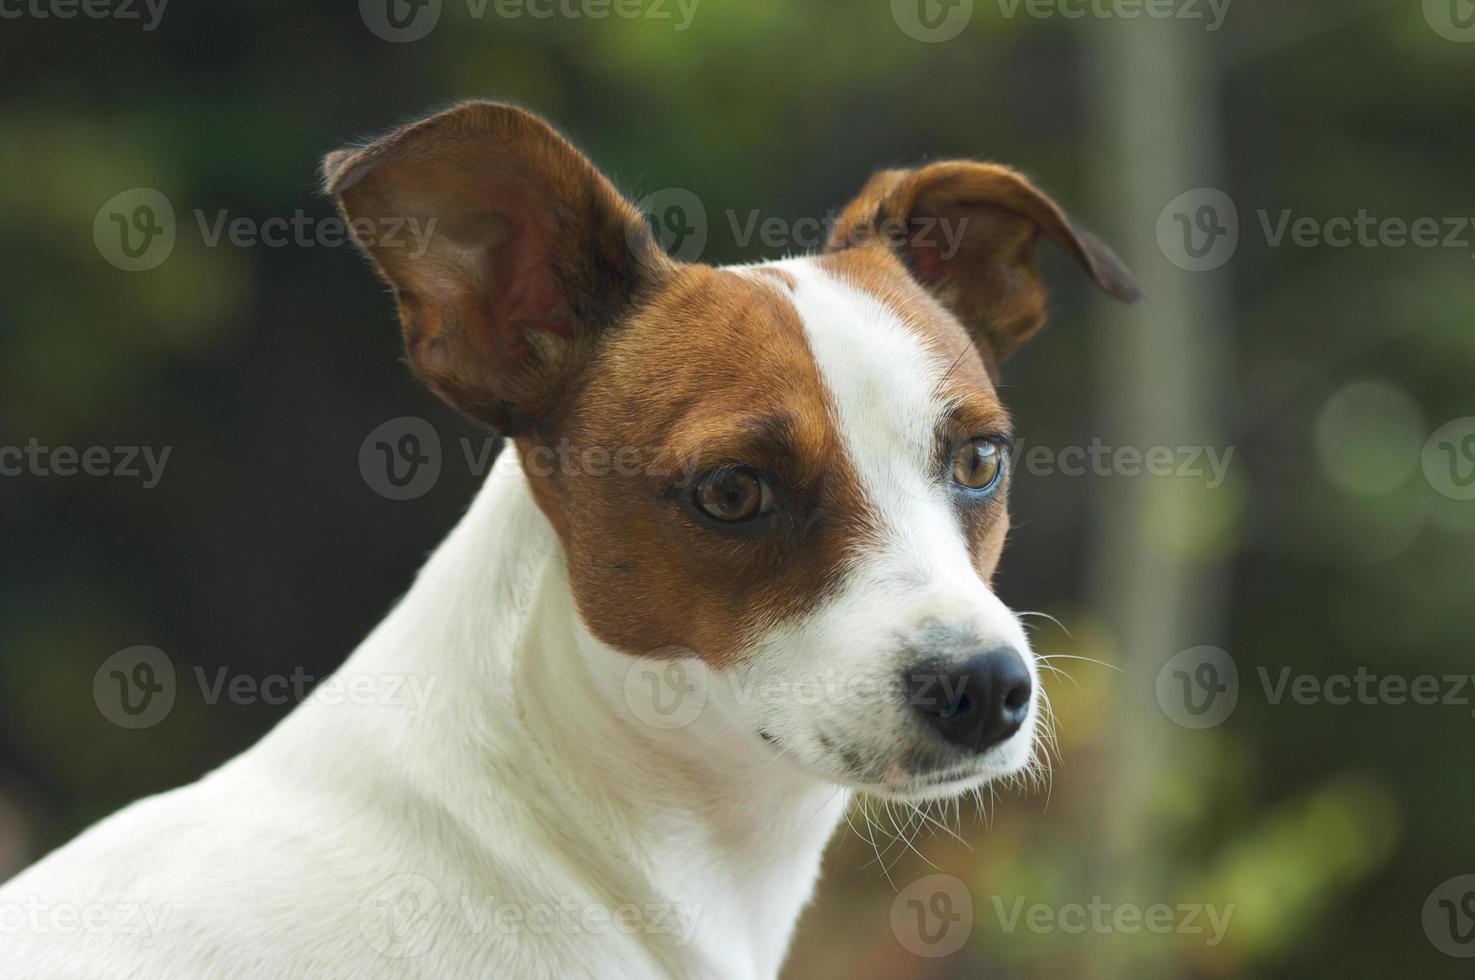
(967, 384)
(713, 371)
(544, 308)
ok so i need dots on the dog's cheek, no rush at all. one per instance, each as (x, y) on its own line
(986, 541)
(638, 585)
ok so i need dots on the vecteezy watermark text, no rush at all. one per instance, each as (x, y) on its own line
(812, 232)
(1101, 917)
(401, 459)
(934, 915)
(1199, 230)
(36, 917)
(936, 21)
(680, 222)
(409, 691)
(120, 10)
(679, 12)
(1364, 687)
(135, 230)
(402, 916)
(1365, 230)
(136, 688)
(121, 462)
(1213, 12)
(1200, 688)
(303, 230)
(1207, 463)
(402, 21)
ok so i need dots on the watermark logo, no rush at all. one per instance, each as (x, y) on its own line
(1449, 459)
(1449, 917)
(398, 917)
(1198, 230)
(679, 222)
(1199, 687)
(134, 229)
(933, 916)
(1453, 20)
(400, 21)
(667, 690)
(400, 459)
(932, 21)
(134, 688)
(678, 219)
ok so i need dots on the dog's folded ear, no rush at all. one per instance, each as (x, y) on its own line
(507, 249)
(967, 232)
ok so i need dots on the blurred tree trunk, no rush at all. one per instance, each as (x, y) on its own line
(1161, 373)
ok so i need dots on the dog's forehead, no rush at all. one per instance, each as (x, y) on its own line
(869, 324)
(707, 349)
(840, 340)
(877, 278)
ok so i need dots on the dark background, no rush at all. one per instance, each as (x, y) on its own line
(1332, 544)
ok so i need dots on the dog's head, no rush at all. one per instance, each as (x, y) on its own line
(795, 471)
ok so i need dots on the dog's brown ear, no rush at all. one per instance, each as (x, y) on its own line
(507, 249)
(967, 232)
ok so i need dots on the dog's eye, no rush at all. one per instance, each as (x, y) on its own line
(977, 464)
(732, 495)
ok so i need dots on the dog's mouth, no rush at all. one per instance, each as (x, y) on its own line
(935, 784)
(918, 777)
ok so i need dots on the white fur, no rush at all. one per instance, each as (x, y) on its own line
(375, 841)
(883, 382)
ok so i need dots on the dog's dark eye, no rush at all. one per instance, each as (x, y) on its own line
(731, 496)
(977, 464)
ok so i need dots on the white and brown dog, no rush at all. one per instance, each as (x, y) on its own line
(802, 510)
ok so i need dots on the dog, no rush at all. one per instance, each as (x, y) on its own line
(732, 567)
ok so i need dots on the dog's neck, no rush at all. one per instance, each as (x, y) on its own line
(704, 818)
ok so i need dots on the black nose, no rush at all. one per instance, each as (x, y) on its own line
(976, 704)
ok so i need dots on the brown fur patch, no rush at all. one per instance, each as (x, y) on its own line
(714, 370)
